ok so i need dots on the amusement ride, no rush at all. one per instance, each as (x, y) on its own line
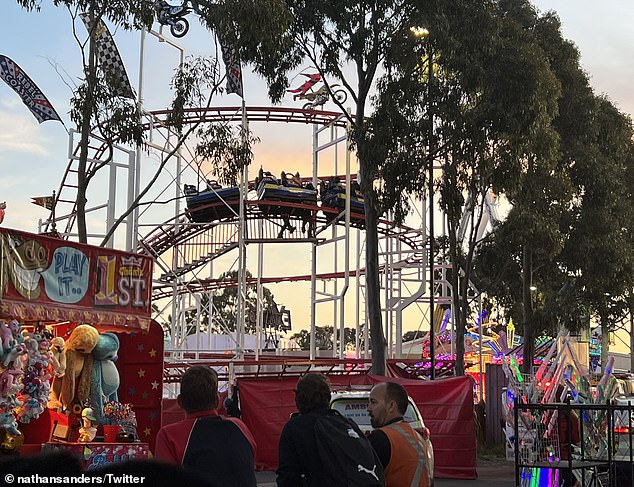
(192, 226)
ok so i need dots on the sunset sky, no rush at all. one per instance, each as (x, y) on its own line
(33, 157)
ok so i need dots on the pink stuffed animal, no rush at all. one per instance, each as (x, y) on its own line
(7, 380)
(6, 336)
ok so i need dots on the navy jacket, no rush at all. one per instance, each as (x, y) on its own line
(299, 463)
(219, 450)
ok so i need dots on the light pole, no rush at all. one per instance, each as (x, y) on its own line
(422, 32)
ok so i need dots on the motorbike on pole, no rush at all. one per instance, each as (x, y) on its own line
(317, 97)
(322, 95)
(174, 16)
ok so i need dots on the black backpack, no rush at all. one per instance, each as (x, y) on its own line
(346, 455)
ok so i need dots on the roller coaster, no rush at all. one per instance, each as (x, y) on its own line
(187, 242)
(193, 227)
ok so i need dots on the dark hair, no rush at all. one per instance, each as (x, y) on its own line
(199, 389)
(396, 392)
(313, 391)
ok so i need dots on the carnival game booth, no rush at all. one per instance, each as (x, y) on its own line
(80, 359)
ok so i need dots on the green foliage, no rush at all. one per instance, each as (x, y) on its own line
(128, 14)
(224, 302)
(227, 149)
(569, 233)
(324, 338)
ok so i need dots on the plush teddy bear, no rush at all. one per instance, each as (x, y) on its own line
(75, 384)
(105, 376)
(58, 358)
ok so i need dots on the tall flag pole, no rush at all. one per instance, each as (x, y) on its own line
(24, 86)
(233, 68)
(108, 56)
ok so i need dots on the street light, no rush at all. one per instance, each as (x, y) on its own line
(422, 32)
(419, 31)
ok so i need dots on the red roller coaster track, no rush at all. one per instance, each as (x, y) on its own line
(207, 241)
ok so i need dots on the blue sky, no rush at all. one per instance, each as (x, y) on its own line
(33, 157)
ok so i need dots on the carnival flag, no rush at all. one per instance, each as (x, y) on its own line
(232, 68)
(24, 86)
(109, 57)
(45, 201)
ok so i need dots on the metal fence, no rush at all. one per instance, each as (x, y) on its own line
(602, 456)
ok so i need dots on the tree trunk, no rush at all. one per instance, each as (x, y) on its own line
(373, 289)
(605, 339)
(82, 181)
(527, 302)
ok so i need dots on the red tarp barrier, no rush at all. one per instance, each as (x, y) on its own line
(446, 406)
(447, 409)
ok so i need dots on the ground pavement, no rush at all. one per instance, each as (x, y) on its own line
(492, 473)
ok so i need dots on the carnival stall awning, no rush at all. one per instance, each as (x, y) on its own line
(47, 279)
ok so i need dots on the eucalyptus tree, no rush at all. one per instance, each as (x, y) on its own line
(101, 103)
(544, 264)
(599, 251)
(222, 317)
(324, 336)
(475, 97)
(104, 103)
(346, 41)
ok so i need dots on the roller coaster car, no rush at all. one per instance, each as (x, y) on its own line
(288, 190)
(214, 203)
(333, 195)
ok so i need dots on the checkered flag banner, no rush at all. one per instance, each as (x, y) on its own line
(24, 86)
(232, 68)
(109, 57)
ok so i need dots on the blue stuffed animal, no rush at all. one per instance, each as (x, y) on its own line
(105, 376)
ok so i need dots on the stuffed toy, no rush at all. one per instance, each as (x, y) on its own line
(105, 376)
(36, 380)
(87, 432)
(6, 338)
(75, 384)
(58, 358)
(10, 444)
(14, 355)
(8, 422)
(9, 384)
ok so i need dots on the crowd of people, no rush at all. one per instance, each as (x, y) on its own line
(317, 447)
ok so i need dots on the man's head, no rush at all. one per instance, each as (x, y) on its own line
(388, 400)
(313, 392)
(199, 389)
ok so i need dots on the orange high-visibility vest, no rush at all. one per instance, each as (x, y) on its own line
(408, 459)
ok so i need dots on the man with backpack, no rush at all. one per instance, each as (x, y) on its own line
(400, 448)
(319, 447)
